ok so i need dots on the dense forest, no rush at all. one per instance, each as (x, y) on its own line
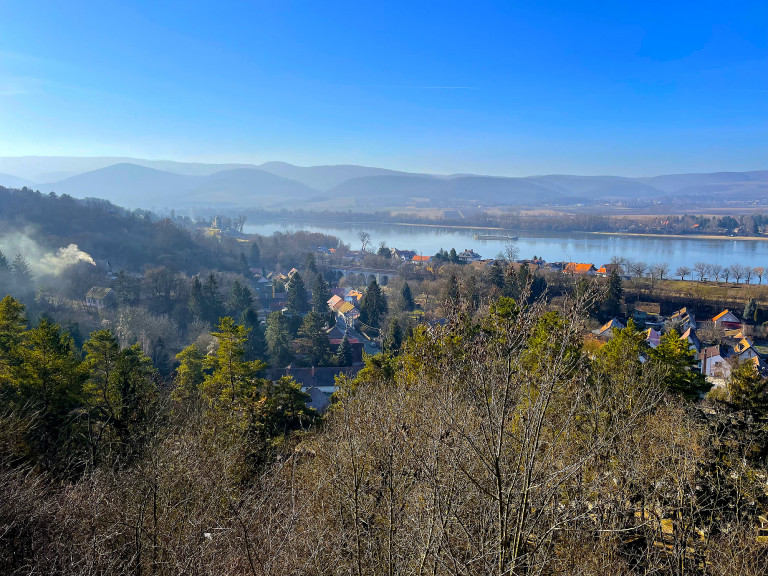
(489, 436)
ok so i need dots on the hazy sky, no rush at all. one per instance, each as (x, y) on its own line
(514, 88)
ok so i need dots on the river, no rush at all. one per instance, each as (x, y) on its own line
(552, 246)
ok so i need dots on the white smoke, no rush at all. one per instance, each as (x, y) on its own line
(41, 261)
(66, 257)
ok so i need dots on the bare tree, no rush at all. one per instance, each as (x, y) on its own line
(737, 270)
(727, 273)
(365, 240)
(715, 271)
(701, 269)
(759, 271)
(682, 271)
(637, 269)
(748, 271)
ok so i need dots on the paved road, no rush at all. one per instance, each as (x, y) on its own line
(367, 346)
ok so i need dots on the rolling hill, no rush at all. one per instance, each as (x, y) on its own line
(158, 184)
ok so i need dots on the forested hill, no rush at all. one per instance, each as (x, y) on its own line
(130, 239)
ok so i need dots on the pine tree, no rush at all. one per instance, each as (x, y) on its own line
(679, 366)
(394, 338)
(212, 305)
(344, 354)
(373, 305)
(321, 293)
(406, 298)
(5, 275)
(231, 377)
(313, 340)
(297, 301)
(255, 255)
(240, 299)
(13, 324)
(310, 264)
(496, 276)
(278, 340)
(748, 389)
(196, 303)
(189, 378)
(256, 344)
(21, 275)
(750, 310)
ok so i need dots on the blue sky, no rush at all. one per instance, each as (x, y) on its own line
(514, 88)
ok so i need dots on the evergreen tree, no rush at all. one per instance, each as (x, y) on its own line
(5, 275)
(22, 276)
(679, 365)
(344, 354)
(13, 323)
(393, 341)
(278, 340)
(453, 256)
(406, 298)
(189, 378)
(750, 311)
(256, 343)
(49, 381)
(321, 293)
(496, 276)
(240, 299)
(212, 305)
(613, 296)
(125, 288)
(313, 340)
(748, 389)
(196, 303)
(122, 391)
(373, 305)
(231, 376)
(310, 264)
(245, 268)
(255, 255)
(297, 300)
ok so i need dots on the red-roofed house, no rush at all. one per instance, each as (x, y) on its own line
(726, 319)
(577, 268)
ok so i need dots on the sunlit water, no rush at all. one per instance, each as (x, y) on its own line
(552, 246)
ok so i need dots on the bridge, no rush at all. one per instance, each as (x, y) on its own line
(381, 276)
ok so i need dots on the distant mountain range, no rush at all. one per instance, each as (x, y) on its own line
(137, 183)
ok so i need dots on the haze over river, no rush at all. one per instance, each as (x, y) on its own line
(552, 246)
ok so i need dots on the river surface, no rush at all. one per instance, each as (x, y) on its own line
(552, 246)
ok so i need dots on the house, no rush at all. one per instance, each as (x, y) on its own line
(418, 259)
(652, 337)
(693, 340)
(99, 297)
(576, 268)
(727, 320)
(345, 311)
(745, 350)
(467, 256)
(404, 255)
(353, 296)
(606, 330)
(608, 269)
(684, 317)
(714, 362)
